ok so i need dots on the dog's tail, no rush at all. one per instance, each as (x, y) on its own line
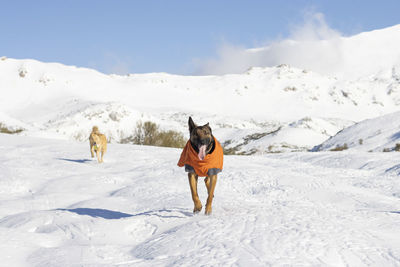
(95, 129)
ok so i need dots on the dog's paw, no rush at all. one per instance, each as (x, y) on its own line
(197, 208)
(208, 210)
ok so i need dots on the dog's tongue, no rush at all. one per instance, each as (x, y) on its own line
(202, 152)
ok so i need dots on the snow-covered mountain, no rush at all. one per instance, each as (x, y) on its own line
(281, 108)
(373, 135)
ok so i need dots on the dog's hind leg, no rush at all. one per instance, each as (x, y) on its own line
(211, 182)
(193, 188)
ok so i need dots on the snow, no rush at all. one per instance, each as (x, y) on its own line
(64, 102)
(378, 134)
(59, 207)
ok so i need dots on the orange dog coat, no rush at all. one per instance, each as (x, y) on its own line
(201, 167)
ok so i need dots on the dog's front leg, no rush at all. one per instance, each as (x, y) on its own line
(102, 154)
(92, 150)
(98, 156)
(193, 188)
(211, 182)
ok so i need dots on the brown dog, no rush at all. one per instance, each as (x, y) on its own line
(98, 143)
(202, 156)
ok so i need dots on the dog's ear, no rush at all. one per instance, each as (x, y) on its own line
(208, 126)
(192, 125)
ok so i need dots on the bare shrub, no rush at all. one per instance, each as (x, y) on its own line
(290, 88)
(170, 139)
(145, 133)
(397, 147)
(4, 129)
(340, 148)
(149, 134)
(230, 151)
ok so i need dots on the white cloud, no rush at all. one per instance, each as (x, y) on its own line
(313, 45)
(314, 28)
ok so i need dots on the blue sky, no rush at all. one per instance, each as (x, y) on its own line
(173, 36)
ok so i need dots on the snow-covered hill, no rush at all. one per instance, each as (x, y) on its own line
(378, 134)
(282, 108)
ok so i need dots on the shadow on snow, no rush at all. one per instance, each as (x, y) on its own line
(112, 215)
(75, 160)
(395, 212)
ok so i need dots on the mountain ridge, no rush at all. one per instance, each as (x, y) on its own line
(61, 101)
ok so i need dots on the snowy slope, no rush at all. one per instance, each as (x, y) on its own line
(296, 136)
(280, 108)
(72, 100)
(58, 207)
(378, 134)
